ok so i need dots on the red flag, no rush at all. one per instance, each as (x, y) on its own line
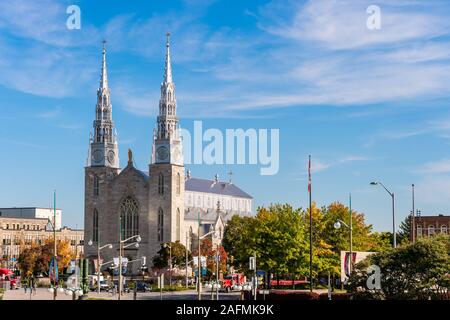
(309, 175)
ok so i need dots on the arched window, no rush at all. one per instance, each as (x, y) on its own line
(444, 229)
(160, 225)
(129, 216)
(220, 232)
(161, 184)
(178, 184)
(95, 226)
(419, 231)
(96, 185)
(178, 231)
(430, 230)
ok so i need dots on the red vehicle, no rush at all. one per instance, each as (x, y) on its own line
(8, 275)
(232, 280)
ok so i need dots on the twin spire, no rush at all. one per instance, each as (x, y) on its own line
(168, 66)
(104, 76)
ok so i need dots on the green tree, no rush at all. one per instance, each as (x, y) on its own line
(418, 270)
(239, 240)
(161, 260)
(404, 233)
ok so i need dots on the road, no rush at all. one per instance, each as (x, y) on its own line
(43, 294)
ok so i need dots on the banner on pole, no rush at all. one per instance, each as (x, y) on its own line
(357, 256)
(53, 270)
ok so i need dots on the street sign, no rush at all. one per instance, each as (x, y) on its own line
(161, 281)
(252, 263)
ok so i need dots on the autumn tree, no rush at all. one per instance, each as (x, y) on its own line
(36, 258)
(209, 251)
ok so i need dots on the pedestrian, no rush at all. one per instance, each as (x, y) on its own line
(34, 286)
(25, 287)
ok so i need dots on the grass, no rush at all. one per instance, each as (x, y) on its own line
(1, 293)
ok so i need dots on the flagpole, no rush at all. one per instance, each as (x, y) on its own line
(55, 264)
(310, 228)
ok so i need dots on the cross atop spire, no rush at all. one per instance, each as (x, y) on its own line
(104, 76)
(168, 67)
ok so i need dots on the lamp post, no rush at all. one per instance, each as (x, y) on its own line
(187, 285)
(169, 245)
(121, 247)
(109, 246)
(349, 226)
(393, 209)
(81, 244)
(199, 281)
(217, 272)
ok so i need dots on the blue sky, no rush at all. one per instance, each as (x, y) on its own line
(366, 104)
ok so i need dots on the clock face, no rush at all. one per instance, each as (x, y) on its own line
(162, 153)
(111, 156)
(97, 156)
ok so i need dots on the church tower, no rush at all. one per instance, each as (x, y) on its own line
(166, 184)
(103, 149)
(102, 164)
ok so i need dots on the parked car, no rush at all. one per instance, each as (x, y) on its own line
(143, 287)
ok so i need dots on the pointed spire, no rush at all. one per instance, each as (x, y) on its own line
(168, 68)
(104, 76)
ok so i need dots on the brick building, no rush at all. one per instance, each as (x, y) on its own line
(430, 225)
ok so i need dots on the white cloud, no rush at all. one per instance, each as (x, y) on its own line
(433, 190)
(341, 24)
(436, 167)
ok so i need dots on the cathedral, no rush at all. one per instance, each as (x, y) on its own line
(163, 204)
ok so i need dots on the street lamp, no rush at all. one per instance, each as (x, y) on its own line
(121, 247)
(168, 245)
(337, 225)
(109, 246)
(393, 209)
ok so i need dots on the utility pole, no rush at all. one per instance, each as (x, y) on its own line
(310, 227)
(55, 264)
(199, 276)
(120, 256)
(351, 234)
(217, 272)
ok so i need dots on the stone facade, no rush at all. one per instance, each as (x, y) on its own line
(121, 204)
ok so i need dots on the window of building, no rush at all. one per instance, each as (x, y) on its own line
(96, 185)
(129, 216)
(444, 229)
(431, 230)
(160, 225)
(178, 231)
(419, 231)
(178, 184)
(95, 226)
(161, 184)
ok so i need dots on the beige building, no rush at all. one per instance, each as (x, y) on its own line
(19, 233)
